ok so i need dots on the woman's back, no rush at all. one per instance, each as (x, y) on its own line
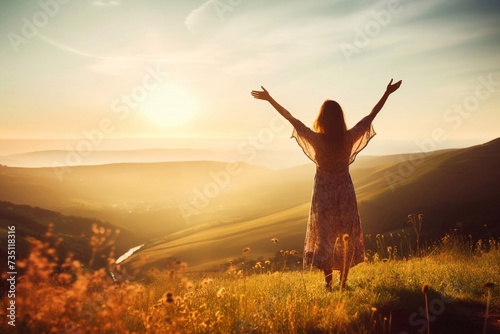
(325, 151)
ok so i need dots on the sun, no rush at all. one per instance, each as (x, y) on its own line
(169, 105)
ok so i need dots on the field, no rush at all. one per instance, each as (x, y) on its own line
(460, 279)
(200, 213)
(209, 265)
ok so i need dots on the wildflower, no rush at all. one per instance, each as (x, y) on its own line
(221, 292)
(206, 281)
(294, 252)
(274, 240)
(268, 262)
(219, 316)
(59, 241)
(64, 278)
(75, 265)
(246, 250)
(50, 231)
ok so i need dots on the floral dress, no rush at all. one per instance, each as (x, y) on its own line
(334, 238)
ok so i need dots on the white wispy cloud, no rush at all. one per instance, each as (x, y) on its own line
(202, 17)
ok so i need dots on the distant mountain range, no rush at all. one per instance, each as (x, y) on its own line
(206, 212)
(58, 158)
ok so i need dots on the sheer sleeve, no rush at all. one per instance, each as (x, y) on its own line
(360, 134)
(306, 138)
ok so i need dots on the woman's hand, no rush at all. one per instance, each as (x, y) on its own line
(264, 95)
(261, 95)
(391, 88)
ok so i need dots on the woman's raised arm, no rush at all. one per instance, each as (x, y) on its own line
(264, 95)
(391, 88)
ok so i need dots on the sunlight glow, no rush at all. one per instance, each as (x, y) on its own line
(169, 105)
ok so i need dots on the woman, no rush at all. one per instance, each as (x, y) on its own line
(334, 239)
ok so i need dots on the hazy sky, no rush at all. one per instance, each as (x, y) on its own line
(185, 69)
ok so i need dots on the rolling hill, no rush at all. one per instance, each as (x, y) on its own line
(454, 189)
(150, 199)
(75, 232)
(206, 212)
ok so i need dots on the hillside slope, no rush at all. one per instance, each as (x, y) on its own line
(75, 232)
(149, 198)
(173, 205)
(453, 189)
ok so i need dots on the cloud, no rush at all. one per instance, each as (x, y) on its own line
(203, 17)
(69, 49)
(271, 44)
(131, 57)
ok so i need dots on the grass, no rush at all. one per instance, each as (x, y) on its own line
(57, 294)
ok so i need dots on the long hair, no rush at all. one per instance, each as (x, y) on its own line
(331, 123)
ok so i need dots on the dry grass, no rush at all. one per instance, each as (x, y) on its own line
(57, 295)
